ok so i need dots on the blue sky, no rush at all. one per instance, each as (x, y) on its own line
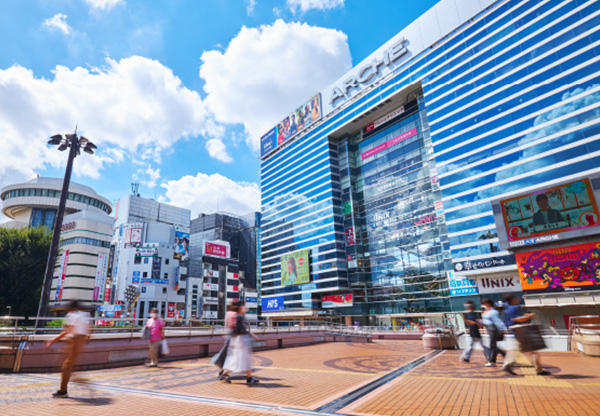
(175, 93)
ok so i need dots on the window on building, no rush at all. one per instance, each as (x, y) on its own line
(145, 260)
(166, 275)
(164, 290)
(137, 260)
(144, 274)
(181, 292)
(166, 261)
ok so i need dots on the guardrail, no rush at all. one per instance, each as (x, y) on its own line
(583, 325)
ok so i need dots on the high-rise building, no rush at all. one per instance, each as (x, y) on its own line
(376, 193)
(150, 251)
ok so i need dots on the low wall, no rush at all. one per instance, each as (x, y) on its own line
(120, 350)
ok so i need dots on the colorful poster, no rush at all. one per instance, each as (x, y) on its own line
(337, 301)
(393, 141)
(146, 252)
(560, 269)
(461, 285)
(272, 304)
(64, 260)
(171, 310)
(217, 250)
(350, 236)
(566, 207)
(133, 235)
(297, 121)
(294, 268)
(181, 248)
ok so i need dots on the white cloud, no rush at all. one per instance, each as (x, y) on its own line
(59, 22)
(135, 106)
(211, 193)
(216, 149)
(250, 5)
(268, 71)
(306, 5)
(103, 4)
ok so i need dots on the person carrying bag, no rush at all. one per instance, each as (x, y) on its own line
(495, 329)
(529, 336)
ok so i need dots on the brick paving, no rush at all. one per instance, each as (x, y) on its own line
(306, 378)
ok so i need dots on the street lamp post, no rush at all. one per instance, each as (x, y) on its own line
(75, 144)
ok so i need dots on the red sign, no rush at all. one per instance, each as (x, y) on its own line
(390, 143)
(107, 293)
(235, 288)
(384, 119)
(236, 275)
(171, 310)
(68, 226)
(212, 249)
(337, 301)
(350, 236)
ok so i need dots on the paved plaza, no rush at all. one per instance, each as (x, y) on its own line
(381, 378)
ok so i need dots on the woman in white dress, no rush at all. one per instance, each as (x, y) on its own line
(239, 354)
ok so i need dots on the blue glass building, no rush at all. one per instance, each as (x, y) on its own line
(390, 190)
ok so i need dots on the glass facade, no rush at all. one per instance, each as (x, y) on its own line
(507, 102)
(49, 193)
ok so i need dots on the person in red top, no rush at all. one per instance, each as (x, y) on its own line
(157, 334)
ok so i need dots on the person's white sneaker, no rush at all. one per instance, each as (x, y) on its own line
(490, 364)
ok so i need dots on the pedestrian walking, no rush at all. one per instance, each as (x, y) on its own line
(513, 315)
(239, 354)
(230, 322)
(156, 327)
(472, 322)
(495, 329)
(76, 331)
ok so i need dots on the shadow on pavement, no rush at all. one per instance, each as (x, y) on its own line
(91, 401)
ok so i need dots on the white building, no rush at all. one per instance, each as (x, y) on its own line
(149, 245)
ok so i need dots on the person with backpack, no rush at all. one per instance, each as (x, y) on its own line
(495, 329)
(513, 315)
(471, 321)
(239, 354)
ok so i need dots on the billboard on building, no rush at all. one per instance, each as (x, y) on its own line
(100, 280)
(546, 214)
(133, 235)
(337, 301)
(499, 283)
(389, 143)
(272, 304)
(182, 243)
(294, 268)
(461, 285)
(146, 252)
(560, 269)
(294, 123)
(216, 250)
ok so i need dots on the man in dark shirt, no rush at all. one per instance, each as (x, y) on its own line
(470, 318)
(545, 214)
(514, 316)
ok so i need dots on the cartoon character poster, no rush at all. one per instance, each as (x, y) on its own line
(569, 268)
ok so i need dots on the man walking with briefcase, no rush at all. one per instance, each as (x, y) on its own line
(529, 336)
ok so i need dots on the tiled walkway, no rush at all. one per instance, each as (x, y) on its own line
(304, 379)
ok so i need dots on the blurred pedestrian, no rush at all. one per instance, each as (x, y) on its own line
(157, 334)
(495, 329)
(513, 315)
(230, 322)
(239, 354)
(472, 322)
(76, 331)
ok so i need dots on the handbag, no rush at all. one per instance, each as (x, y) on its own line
(163, 348)
(529, 337)
(146, 333)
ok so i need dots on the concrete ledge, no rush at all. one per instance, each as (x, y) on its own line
(122, 350)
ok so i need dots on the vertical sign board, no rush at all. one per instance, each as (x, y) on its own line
(99, 277)
(171, 310)
(61, 275)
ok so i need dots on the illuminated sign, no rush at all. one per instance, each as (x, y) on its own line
(272, 304)
(337, 301)
(216, 250)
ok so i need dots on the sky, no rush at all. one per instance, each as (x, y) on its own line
(175, 93)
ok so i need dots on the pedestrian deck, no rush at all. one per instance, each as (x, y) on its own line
(307, 380)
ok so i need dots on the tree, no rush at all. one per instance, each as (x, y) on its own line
(23, 256)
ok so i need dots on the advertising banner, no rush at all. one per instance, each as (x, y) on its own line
(210, 286)
(566, 207)
(350, 236)
(155, 281)
(499, 284)
(461, 285)
(171, 310)
(399, 138)
(182, 243)
(272, 304)
(388, 117)
(294, 268)
(303, 117)
(177, 277)
(99, 277)
(216, 250)
(133, 235)
(560, 269)
(347, 207)
(337, 301)
(64, 260)
(146, 252)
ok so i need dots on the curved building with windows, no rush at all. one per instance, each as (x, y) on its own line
(384, 188)
(35, 203)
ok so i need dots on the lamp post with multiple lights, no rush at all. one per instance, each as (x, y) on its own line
(75, 144)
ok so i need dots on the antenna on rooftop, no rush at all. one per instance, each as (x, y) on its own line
(135, 186)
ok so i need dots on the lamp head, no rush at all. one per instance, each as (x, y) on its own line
(55, 140)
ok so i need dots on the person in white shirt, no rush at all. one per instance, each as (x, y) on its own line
(76, 331)
(495, 329)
